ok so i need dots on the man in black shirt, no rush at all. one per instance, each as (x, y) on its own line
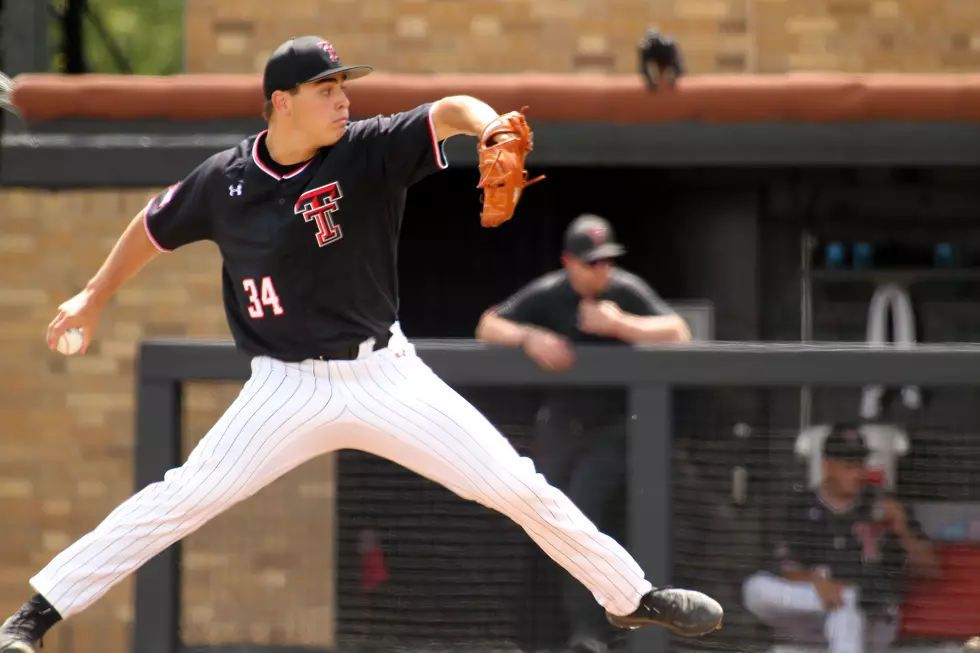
(306, 216)
(589, 300)
(840, 558)
(580, 434)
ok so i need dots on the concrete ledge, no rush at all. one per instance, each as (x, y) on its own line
(117, 157)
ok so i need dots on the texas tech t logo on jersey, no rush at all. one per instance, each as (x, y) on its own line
(318, 205)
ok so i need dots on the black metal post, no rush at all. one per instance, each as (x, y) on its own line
(73, 37)
(649, 468)
(158, 449)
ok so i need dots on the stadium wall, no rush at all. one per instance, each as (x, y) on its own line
(717, 36)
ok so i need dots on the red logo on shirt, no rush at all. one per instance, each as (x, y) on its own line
(318, 205)
(868, 534)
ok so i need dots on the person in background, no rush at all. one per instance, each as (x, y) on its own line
(580, 434)
(840, 558)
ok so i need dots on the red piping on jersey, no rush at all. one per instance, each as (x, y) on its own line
(266, 169)
(440, 160)
(169, 193)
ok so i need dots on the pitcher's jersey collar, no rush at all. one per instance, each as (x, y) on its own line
(270, 168)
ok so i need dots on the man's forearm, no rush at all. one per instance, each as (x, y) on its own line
(132, 251)
(501, 331)
(807, 576)
(462, 114)
(667, 328)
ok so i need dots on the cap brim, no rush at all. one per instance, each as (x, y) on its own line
(351, 72)
(608, 250)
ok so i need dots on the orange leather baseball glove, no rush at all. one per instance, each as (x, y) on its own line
(502, 173)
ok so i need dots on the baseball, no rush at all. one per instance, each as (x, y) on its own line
(70, 341)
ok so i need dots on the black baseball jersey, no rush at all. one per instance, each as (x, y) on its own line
(550, 302)
(853, 546)
(309, 251)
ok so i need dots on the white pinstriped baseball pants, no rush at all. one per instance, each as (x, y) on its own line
(387, 403)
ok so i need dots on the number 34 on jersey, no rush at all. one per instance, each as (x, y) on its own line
(262, 297)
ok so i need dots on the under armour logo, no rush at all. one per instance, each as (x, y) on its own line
(235, 189)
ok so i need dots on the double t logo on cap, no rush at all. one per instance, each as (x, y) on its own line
(328, 48)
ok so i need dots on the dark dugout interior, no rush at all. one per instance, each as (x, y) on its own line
(731, 236)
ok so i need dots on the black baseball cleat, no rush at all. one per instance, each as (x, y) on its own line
(17, 634)
(22, 631)
(684, 612)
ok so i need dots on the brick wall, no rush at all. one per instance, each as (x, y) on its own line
(66, 454)
(723, 36)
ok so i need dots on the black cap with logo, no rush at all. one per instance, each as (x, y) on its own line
(304, 59)
(591, 238)
(845, 442)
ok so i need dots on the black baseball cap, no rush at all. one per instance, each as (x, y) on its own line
(304, 59)
(591, 238)
(845, 442)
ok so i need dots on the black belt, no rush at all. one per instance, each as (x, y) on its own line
(350, 352)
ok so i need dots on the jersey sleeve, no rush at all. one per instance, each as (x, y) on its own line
(640, 299)
(180, 215)
(527, 305)
(410, 150)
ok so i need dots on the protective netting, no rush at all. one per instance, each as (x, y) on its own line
(737, 459)
(422, 569)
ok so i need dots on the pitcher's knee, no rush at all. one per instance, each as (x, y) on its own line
(189, 491)
(524, 488)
